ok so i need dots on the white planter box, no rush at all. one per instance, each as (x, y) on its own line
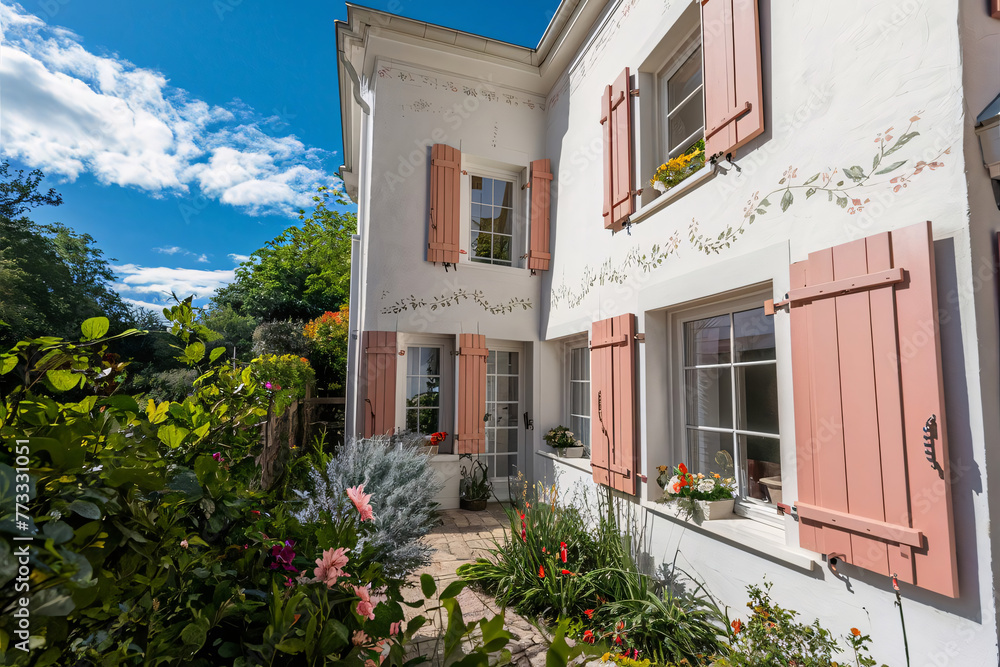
(716, 509)
(447, 473)
(570, 452)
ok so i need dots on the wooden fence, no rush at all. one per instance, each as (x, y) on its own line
(300, 423)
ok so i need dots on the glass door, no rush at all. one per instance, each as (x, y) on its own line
(503, 424)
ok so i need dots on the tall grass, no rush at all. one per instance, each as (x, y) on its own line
(594, 580)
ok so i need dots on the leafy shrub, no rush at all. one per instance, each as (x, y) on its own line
(283, 337)
(327, 336)
(561, 561)
(150, 544)
(400, 478)
(286, 377)
(171, 385)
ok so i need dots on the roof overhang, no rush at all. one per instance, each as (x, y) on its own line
(532, 69)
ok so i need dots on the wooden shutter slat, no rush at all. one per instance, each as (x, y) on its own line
(472, 355)
(541, 204)
(831, 487)
(860, 412)
(443, 230)
(379, 409)
(846, 285)
(867, 376)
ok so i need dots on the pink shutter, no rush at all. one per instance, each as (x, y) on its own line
(995, 9)
(734, 98)
(616, 117)
(866, 365)
(379, 409)
(541, 203)
(472, 353)
(443, 225)
(613, 435)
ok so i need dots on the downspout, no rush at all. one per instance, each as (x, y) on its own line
(353, 341)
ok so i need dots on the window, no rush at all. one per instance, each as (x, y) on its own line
(579, 394)
(492, 224)
(423, 389)
(682, 122)
(730, 391)
(503, 409)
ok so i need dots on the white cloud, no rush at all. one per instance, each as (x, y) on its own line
(172, 250)
(183, 252)
(239, 259)
(156, 283)
(68, 111)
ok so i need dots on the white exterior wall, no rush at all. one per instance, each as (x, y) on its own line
(835, 77)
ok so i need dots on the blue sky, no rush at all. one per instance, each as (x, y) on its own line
(184, 135)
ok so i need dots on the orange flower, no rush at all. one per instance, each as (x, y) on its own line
(683, 468)
(855, 632)
(737, 626)
(589, 613)
(588, 636)
(541, 572)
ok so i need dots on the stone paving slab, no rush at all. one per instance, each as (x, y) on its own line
(462, 537)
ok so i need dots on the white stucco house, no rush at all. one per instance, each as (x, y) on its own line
(814, 311)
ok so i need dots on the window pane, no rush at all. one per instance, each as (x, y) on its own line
(501, 466)
(429, 361)
(685, 80)
(684, 122)
(580, 364)
(710, 453)
(581, 428)
(763, 465)
(501, 248)
(506, 389)
(501, 221)
(477, 214)
(487, 190)
(503, 193)
(503, 362)
(709, 397)
(481, 245)
(579, 403)
(753, 335)
(412, 360)
(491, 363)
(477, 189)
(707, 341)
(758, 387)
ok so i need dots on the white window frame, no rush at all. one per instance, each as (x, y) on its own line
(446, 346)
(750, 509)
(517, 174)
(580, 341)
(522, 433)
(677, 60)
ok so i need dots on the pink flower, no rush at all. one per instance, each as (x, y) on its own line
(330, 566)
(395, 628)
(267, 385)
(360, 499)
(365, 606)
(184, 544)
(359, 638)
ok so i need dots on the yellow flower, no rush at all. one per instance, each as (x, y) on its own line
(605, 657)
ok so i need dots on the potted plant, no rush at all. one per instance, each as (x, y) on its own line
(677, 169)
(476, 486)
(704, 497)
(561, 439)
(432, 441)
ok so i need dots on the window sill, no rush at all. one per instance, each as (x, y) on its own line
(742, 533)
(497, 268)
(582, 463)
(705, 174)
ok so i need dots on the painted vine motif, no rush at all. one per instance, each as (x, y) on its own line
(844, 187)
(447, 300)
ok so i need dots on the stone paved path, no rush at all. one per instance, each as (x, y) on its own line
(461, 538)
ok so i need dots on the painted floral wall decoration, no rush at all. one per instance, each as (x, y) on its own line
(447, 300)
(845, 187)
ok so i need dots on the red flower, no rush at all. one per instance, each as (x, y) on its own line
(541, 572)
(562, 551)
(683, 468)
(543, 549)
(588, 637)
(589, 613)
(737, 626)
(569, 573)
(621, 626)
(618, 639)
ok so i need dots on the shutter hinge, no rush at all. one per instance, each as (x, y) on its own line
(634, 92)
(526, 185)
(641, 337)
(787, 509)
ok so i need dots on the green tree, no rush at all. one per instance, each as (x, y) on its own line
(50, 276)
(301, 273)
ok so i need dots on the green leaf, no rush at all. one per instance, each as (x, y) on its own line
(122, 403)
(194, 634)
(51, 602)
(811, 179)
(786, 200)
(85, 509)
(427, 585)
(63, 380)
(57, 531)
(94, 328)
(186, 482)
(810, 192)
(291, 645)
(453, 589)
(902, 141)
(8, 362)
(216, 353)
(194, 352)
(842, 202)
(892, 167)
(171, 435)
(855, 173)
(765, 202)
